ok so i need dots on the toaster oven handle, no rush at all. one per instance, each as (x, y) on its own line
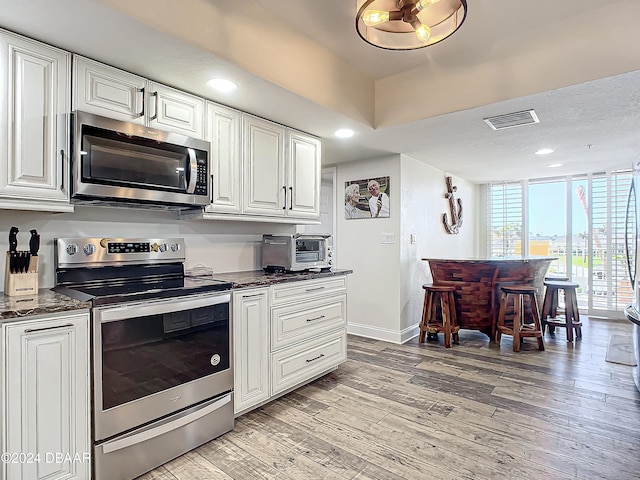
(193, 171)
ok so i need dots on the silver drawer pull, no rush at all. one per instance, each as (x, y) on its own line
(313, 319)
(32, 330)
(316, 358)
(314, 289)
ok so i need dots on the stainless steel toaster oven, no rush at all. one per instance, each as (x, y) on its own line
(296, 252)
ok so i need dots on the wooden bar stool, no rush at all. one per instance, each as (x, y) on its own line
(439, 300)
(571, 320)
(554, 298)
(521, 326)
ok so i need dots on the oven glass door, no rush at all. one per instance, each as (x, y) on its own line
(310, 250)
(110, 158)
(156, 357)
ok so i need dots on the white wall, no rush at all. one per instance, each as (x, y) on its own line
(373, 303)
(385, 291)
(221, 245)
(423, 205)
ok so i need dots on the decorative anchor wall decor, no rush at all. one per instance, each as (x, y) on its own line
(456, 211)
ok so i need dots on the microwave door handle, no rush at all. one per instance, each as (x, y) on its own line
(193, 171)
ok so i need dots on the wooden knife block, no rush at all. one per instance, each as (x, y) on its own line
(16, 284)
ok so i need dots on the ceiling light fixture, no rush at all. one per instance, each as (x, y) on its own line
(544, 151)
(222, 85)
(408, 24)
(554, 165)
(344, 133)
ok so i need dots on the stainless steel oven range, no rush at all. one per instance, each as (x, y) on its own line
(162, 378)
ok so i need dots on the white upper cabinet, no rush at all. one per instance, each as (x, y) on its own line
(223, 132)
(176, 111)
(106, 91)
(110, 92)
(304, 172)
(265, 189)
(281, 171)
(34, 132)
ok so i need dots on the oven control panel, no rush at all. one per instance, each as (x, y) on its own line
(115, 251)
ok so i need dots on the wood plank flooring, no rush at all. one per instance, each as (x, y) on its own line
(420, 411)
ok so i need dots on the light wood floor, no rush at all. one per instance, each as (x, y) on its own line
(413, 411)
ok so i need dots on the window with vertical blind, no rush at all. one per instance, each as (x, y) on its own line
(505, 219)
(591, 247)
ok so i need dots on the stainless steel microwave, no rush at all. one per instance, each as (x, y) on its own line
(120, 161)
(297, 252)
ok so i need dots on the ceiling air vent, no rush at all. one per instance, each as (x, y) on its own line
(515, 119)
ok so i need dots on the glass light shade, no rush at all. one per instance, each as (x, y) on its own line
(443, 17)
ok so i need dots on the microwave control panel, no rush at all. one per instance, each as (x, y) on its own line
(201, 180)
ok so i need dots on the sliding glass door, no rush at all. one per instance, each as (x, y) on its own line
(580, 220)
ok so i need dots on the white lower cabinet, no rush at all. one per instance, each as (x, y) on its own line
(251, 348)
(295, 365)
(45, 398)
(285, 336)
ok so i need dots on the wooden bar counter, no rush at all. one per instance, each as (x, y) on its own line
(478, 282)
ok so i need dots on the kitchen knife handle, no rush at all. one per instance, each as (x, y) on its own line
(13, 239)
(34, 243)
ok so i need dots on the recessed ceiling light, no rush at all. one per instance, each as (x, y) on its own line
(544, 151)
(222, 85)
(554, 165)
(344, 133)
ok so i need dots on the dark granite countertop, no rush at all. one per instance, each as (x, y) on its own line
(259, 278)
(45, 302)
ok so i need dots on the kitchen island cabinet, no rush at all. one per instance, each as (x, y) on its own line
(45, 397)
(34, 108)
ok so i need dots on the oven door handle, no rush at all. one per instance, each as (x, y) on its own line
(156, 431)
(145, 309)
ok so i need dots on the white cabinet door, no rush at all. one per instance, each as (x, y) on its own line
(223, 132)
(175, 111)
(45, 392)
(264, 186)
(107, 91)
(251, 348)
(110, 92)
(303, 175)
(34, 107)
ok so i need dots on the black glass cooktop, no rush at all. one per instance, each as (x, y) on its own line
(102, 287)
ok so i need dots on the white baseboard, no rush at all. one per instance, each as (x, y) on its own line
(384, 334)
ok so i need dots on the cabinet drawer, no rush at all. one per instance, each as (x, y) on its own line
(303, 290)
(302, 321)
(295, 365)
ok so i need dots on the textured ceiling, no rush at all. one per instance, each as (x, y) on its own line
(301, 63)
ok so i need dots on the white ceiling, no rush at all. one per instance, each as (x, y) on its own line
(301, 63)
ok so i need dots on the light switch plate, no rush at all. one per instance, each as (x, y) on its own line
(413, 238)
(388, 238)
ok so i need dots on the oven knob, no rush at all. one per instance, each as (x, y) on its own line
(215, 359)
(72, 249)
(89, 249)
(162, 247)
(175, 247)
